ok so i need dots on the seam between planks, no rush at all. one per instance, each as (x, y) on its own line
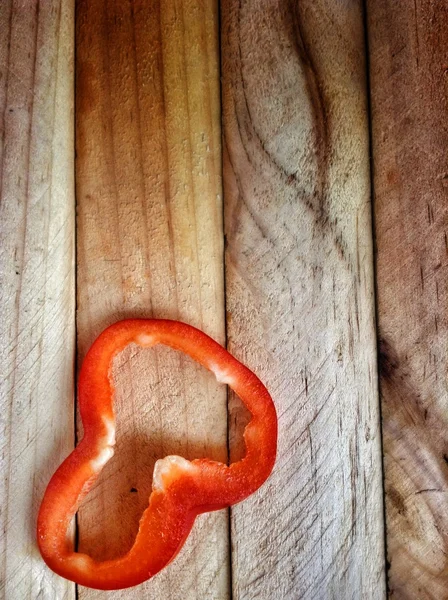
(229, 510)
(75, 242)
(375, 280)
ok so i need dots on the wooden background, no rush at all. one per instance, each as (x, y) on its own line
(229, 160)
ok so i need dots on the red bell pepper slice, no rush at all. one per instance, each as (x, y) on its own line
(182, 489)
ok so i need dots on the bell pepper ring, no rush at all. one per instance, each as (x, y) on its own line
(181, 489)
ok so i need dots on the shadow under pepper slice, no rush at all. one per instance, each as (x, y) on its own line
(182, 489)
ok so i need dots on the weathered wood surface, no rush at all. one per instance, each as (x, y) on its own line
(409, 75)
(299, 293)
(37, 299)
(150, 244)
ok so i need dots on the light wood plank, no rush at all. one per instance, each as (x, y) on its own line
(299, 282)
(150, 243)
(409, 62)
(37, 297)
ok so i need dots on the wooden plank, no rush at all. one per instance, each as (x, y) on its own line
(150, 243)
(37, 297)
(409, 62)
(299, 290)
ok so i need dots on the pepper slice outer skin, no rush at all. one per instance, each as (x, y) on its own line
(182, 489)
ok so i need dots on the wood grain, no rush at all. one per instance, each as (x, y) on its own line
(409, 76)
(299, 294)
(37, 297)
(150, 244)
